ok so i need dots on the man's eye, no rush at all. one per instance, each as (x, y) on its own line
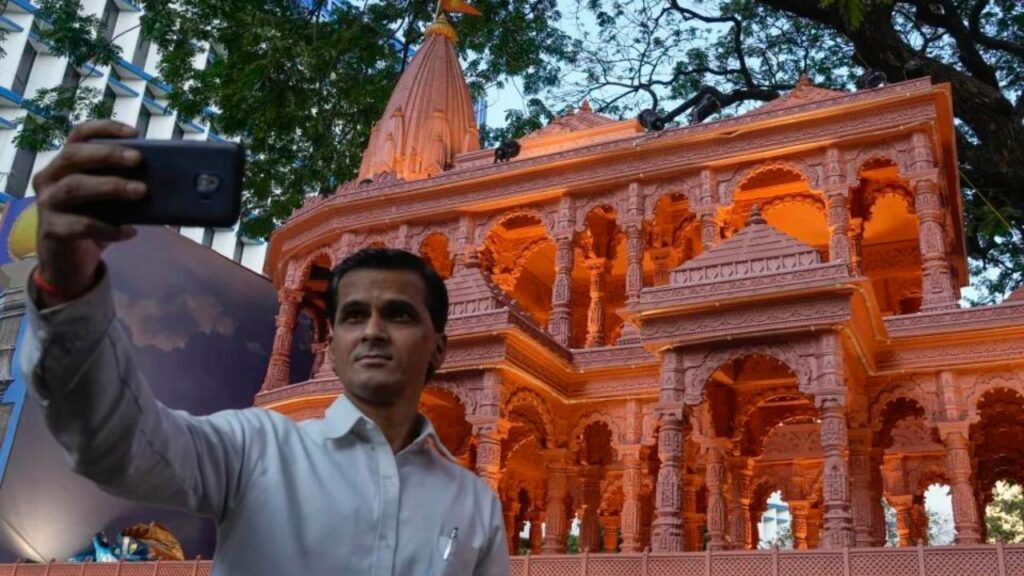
(353, 317)
(402, 315)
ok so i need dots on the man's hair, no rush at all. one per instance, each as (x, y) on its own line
(436, 297)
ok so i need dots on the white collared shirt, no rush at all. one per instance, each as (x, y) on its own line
(326, 496)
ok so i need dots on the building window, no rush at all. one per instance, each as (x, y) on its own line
(239, 249)
(28, 58)
(142, 124)
(110, 13)
(208, 237)
(179, 132)
(141, 52)
(21, 171)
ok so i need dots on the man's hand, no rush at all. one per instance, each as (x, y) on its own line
(69, 245)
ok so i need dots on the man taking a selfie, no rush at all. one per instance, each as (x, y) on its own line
(367, 490)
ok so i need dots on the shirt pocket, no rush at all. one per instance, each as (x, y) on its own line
(453, 557)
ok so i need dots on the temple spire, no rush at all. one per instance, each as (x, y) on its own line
(429, 119)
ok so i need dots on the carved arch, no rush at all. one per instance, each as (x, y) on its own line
(816, 201)
(696, 377)
(531, 398)
(591, 418)
(913, 388)
(584, 206)
(800, 167)
(459, 385)
(307, 262)
(988, 382)
(665, 189)
(544, 215)
(860, 158)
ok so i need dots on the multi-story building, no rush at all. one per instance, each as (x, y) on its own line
(133, 84)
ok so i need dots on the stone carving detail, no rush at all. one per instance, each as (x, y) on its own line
(838, 529)
(793, 441)
(965, 507)
(667, 530)
(280, 357)
(715, 471)
(795, 356)
(939, 292)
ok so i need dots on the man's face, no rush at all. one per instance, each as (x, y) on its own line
(384, 340)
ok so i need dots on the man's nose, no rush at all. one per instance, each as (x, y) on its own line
(374, 329)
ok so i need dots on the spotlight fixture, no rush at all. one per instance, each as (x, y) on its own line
(706, 106)
(704, 103)
(650, 121)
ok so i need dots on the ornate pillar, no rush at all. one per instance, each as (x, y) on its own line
(838, 226)
(798, 511)
(489, 428)
(609, 534)
(464, 252)
(280, 358)
(694, 538)
(632, 483)
(559, 324)
(710, 231)
(814, 528)
(489, 434)
(715, 479)
(958, 464)
(634, 277)
(838, 531)
(590, 528)
(739, 504)
(662, 258)
(557, 528)
(667, 533)
(667, 529)
(903, 504)
(536, 531)
(938, 290)
(838, 204)
(598, 268)
(860, 487)
(511, 510)
(856, 235)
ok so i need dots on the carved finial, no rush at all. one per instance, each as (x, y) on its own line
(441, 26)
(804, 81)
(755, 216)
(585, 107)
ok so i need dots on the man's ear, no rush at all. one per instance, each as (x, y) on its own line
(440, 351)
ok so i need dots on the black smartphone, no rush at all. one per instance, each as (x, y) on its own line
(189, 183)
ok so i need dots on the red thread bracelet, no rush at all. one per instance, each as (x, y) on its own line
(46, 287)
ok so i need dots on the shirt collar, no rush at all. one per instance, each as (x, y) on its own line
(342, 416)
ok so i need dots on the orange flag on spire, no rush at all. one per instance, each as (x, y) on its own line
(459, 6)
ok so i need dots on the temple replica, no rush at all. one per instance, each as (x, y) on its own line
(652, 332)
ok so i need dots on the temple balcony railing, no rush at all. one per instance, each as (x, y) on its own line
(981, 560)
